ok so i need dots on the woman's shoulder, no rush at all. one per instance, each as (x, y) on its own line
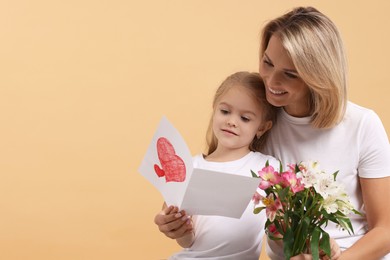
(357, 113)
(358, 110)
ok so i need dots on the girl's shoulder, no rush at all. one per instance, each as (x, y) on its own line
(264, 158)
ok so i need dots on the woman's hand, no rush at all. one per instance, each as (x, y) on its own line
(335, 250)
(173, 223)
(335, 253)
(302, 257)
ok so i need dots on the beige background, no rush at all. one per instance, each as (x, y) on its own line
(84, 83)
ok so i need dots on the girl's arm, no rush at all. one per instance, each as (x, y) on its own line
(188, 238)
(376, 243)
(175, 224)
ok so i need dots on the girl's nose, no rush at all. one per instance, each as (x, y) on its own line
(231, 123)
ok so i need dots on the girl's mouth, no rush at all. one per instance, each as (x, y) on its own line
(228, 131)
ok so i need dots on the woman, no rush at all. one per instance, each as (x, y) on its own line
(303, 66)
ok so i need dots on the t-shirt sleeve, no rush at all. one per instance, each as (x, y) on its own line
(374, 156)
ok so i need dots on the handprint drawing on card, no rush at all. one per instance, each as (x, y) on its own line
(168, 165)
(172, 166)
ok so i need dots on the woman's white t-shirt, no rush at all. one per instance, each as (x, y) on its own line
(356, 147)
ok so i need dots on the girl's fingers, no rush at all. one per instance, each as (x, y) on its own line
(169, 210)
(178, 221)
(185, 227)
(172, 222)
(167, 215)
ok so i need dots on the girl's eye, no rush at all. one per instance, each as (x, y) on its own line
(245, 119)
(224, 111)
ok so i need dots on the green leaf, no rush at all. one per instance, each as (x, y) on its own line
(288, 241)
(323, 221)
(279, 227)
(301, 234)
(280, 166)
(272, 237)
(314, 243)
(305, 228)
(335, 175)
(254, 174)
(344, 222)
(282, 194)
(267, 163)
(357, 212)
(258, 210)
(309, 202)
(297, 167)
(325, 242)
(330, 217)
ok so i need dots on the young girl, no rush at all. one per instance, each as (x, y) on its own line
(237, 130)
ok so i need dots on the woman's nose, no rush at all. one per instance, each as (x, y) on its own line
(272, 79)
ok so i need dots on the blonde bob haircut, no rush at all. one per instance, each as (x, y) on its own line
(253, 83)
(317, 52)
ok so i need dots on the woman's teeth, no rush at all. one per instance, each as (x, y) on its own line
(276, 92)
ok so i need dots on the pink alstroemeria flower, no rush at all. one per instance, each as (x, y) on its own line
(290, 180)
(272, 206)
(268, 177)
(257, 198)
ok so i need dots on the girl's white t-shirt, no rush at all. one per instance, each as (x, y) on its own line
(225, 238)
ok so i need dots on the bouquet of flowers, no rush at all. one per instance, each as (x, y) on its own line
(299, 202)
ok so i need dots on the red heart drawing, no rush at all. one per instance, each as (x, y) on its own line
(160, 172)
(172, 166)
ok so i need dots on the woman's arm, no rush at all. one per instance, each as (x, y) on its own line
(376, 243)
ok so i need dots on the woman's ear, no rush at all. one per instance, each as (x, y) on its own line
(264, 128)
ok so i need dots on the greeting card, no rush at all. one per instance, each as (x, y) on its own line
(168, 166)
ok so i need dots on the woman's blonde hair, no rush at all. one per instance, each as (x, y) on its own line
(317, 51)
(254, 84)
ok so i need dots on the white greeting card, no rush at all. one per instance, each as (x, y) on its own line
(168, 166)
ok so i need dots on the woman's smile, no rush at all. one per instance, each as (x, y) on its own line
(276, 92)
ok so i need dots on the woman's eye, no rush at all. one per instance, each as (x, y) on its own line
(291, 75)
(266, 62)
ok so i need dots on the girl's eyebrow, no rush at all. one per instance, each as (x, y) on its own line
(241, 111)
(286, 70)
